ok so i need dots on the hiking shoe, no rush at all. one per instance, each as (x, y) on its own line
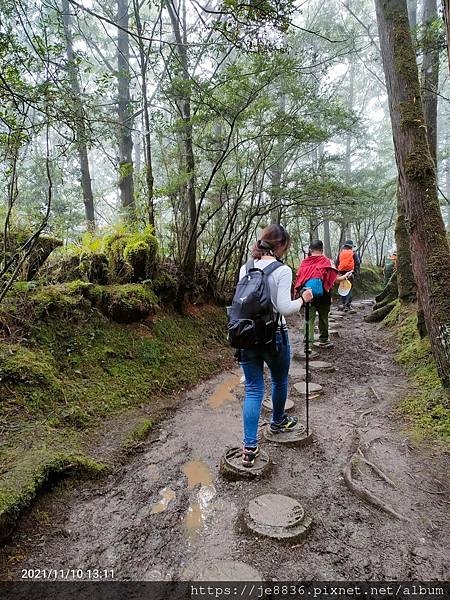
(287, 424)
(249, 456)
(327, 344)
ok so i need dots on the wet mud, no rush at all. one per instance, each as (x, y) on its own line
(168, 510)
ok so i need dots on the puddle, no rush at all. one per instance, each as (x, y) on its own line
(167, 496)
(196, 472)
(194, 520)
(223, 391)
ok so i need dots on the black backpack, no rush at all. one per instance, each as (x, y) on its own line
(251, 320)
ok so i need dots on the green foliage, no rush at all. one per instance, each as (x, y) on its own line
(429, 405)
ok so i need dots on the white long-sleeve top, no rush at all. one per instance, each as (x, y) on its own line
(280, 282)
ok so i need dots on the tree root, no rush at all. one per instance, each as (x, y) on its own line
(361, 492)
(378, 315)
(391, 289)
(377, 469)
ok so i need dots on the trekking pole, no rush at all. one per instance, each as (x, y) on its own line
(307, 364)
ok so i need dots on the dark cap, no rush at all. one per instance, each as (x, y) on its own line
(349, 243)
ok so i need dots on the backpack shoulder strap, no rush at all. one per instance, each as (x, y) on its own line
(249, 265)
(272, 267)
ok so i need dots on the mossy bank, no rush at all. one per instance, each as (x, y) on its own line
(68, 371)
(428, 406)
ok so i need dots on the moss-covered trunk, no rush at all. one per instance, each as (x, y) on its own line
(430, 251)
(405, 277)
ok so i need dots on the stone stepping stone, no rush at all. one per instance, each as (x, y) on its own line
(301, 355)
(296, 437)
(296, 372)
(224, 570)
(314, 388)
(276, 516)
(232, 468)
(267, 404)
(321, 364)
(317, 345)
(337, 316)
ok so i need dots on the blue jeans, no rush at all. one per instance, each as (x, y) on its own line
(252, 362)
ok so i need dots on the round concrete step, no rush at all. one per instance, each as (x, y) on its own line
(231, 465)
(267, 404)
(321, 364)
(222, 570)
(301, 355)
(276, 516)
(296, 437)
(314, 388)
(296, 372)
(317, 345)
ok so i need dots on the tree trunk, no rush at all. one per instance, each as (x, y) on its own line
(430, 74)
(348, 141)
(124, 110)
(412, 13)
(327, 238)
(446, 9)
(447, 189)
(184, 107)
(430, 251)
(143, 60)
(276, 174)
(405, 277)
(80, 130)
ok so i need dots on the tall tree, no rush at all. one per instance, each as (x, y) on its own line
(430, 74)
(412, 13)
(80, 128)
(446, 9)
(179, 27)
(125, 111)
(405, 279)
(430, 251)
(143, 66)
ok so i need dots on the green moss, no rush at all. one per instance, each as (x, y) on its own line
(126, 303)
(394, 316)
(131, 254)
(137, 435)
(21, 365)
(368, 283)
(70, 375)
(428, 406)
(34, 470)
(165, 286)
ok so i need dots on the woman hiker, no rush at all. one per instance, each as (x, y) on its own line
(317, 271)
(271, 247)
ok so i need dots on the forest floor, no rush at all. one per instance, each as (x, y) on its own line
(168, 511)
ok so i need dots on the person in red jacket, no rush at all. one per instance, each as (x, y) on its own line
(318, 272)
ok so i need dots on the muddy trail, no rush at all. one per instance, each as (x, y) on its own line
(169, 515)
